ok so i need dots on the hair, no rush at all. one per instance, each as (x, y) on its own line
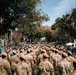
(52, 50)
(20, 51)
(44, 57)
(63, 56)
(42, 52)
(56, 52)
(69, 54)
(21, 59)
(3, 56)
(14, 53)
(28, 51)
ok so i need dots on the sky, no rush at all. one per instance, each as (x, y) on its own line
(56, 8)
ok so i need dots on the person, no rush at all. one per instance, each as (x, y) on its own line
(5, 68)
(40, 56)
(22, 67)
(52, 53)
(45, 66)
(74, 72)
(29, 59)
(2, 41)
(39, 59)
(14, 61)
(56, 58)
(0, 53)
(64, 66)
(71, 59)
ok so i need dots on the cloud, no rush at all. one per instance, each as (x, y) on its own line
(64, 7)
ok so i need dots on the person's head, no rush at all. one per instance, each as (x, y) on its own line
(28, 51)
(25, 49)
(43, 51)
(53, 50)
(64, 55)
(56, 50)
(45, 56)
(64, 50)
(22, 57)
(69, 53)
(21, 50)
(4, 55)
(31, 50)
(14, 52)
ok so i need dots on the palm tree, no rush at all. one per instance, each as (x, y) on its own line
(65, 25)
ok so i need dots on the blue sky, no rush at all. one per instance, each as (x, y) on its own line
(56, 8)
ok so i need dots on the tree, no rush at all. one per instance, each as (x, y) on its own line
(48, 35)
(65, 24)
(39, 32)
(12, 11)
(73, 16)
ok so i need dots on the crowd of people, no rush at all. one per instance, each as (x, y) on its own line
(37, 59)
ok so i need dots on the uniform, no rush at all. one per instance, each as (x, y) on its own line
(14, 61)
(40, 57)
(5, 68)
(29, 61)
(45, 66)
(22, 67)
(74, 73)
(51, 56)
(56, 58)
(64, 66)
(71, 60)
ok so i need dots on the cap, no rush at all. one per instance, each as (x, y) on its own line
(4, 53)
(14, 51)
(64, 54)
(53, 49)
(64, 50)
(56, 50)
(22, 56)
(61, 48)
(45, 55)
(28, 51)
(70, 52)
(43, 51)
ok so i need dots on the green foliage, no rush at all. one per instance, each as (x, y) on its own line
(66, 25)
(48, 35)
(38, 35)
(23, 14)
(12, 10)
